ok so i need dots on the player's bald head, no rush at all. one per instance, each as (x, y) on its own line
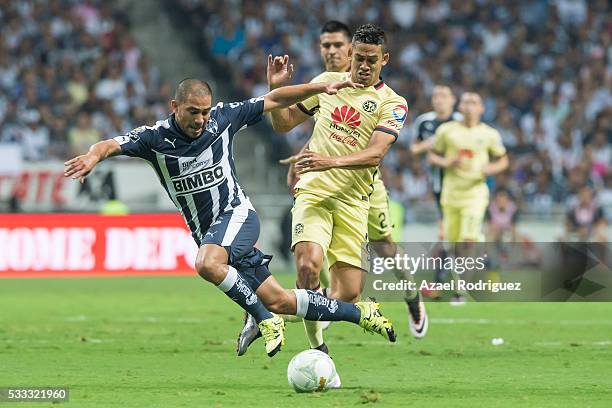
(191, 87)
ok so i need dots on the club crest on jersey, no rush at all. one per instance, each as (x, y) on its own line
(399, 113)
(369, 106)
(299, 228)
(346, 115)
(212, 126)
(133, 135)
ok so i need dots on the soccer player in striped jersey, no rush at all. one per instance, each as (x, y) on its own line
(422, 131)
(191, 153)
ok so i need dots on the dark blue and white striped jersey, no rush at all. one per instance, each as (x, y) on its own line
(199, 175)
(424, 127)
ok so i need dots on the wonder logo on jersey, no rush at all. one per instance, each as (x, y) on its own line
(202, 180)
(191, 164)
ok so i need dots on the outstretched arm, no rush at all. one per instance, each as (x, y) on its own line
(289, 95)
(80, 166)
(371, 156)
(279, 72)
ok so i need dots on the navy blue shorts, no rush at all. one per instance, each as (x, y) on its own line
(237, 231)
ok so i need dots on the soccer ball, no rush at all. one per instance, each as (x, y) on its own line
(310, 370)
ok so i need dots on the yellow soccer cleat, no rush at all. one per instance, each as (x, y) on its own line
(273, 332)
(372, 321)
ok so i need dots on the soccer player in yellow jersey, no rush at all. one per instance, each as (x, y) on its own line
(468, 151)
(351, 136)
(335, 45)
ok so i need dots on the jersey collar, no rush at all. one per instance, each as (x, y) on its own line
(379, 84)
(177, 129)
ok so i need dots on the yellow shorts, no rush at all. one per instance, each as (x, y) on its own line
(379, 218)
(339, 228)
(463, 223)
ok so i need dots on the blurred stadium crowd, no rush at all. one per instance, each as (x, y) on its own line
(71, 74)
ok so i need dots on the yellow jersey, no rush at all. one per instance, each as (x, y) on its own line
(344, 124)
(465, 185)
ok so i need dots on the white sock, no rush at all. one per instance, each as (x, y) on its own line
(314, 331)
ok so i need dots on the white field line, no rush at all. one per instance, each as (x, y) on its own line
(511, 322)
(435, 320)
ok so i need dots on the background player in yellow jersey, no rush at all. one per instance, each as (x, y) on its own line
(468, 151)
(335, 46)
(423, 130)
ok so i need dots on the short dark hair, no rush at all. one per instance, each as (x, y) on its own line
(191, 86)
(334, 26)
(370, 34)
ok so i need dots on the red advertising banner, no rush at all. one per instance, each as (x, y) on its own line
(33, 245)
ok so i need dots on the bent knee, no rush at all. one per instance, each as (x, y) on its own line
(349, 296)
(210, 270)
(308, 267)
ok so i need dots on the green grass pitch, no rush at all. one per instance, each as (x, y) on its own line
(170, 342)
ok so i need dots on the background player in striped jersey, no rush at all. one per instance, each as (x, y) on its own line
(191, 152)
(423, 129)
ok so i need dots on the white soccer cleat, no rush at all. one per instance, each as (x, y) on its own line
(417, 318)
(249, 333)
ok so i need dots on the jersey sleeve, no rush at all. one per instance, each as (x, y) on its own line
(417, 132)
(392, 117)
(137, 142)
(496, 147)
(417, 127)
(439, 143)
(310, 106)
(245, 113)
